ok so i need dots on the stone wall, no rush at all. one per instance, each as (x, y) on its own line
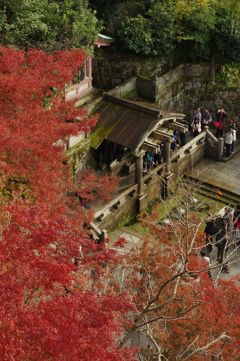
(187, 87)
(180, 85)
(188, 160)
(189, 95)
(110, 72)
(181, 89)
(215, 98)
(126, 203)
(178, 88)
(117, 215)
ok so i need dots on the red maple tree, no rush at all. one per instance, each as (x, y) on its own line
(180, 312)
(34, 118)
(50, 308)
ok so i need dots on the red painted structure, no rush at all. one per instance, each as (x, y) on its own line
(82, 82)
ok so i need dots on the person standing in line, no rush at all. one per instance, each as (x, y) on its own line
(221, 242)
(234, 138)
(220, 119)
(228, 141)
(206, 117)
(150, 160)
(232, 123)
(196, 127)
(237, 234)
(227, 220)
(206, 261)
(197, 115)
(173, 144)
(210, 232)
(145, 168)
(158, 156)
(222, 248)
(236, 213)
(183, 135)
(205, 258)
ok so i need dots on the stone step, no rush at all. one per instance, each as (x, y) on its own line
(223, 198)
(213, 192)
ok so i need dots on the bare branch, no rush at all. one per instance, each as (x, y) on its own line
(199, 349)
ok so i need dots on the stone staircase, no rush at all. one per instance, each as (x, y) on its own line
(207, 190)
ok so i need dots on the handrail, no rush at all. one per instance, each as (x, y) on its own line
(127, 192)
(115, 200)
(188, 146)
(114, 203)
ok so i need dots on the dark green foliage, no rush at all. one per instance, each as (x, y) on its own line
(49, 25)
(135, 34)
(105, 9)
(194, 33)
(227, 41)
(152, 34)
(192, 30)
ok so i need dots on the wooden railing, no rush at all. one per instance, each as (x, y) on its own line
(131, 192)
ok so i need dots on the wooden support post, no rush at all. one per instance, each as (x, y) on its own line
(141, 197)
(139, 174)
(167, 153)
(220, 148)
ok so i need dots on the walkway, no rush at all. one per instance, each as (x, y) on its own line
(224, 175)
(134, 239)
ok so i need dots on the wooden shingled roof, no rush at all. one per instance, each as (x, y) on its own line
(128, 123)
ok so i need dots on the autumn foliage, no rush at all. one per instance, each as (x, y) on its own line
(181, 313)
(65, 297)
(49, 306)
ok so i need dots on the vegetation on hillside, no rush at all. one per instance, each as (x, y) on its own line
(191, 30)
(65, 296)
(49, 25)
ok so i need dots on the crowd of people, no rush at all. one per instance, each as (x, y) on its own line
(222, 126)
(222, 122)
(222, 232)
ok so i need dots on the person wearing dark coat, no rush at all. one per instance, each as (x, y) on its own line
(220, 118)
(182, 135)
(206, 117)
(236, 213)
(210, 232)
(158, 156)
(221, 243)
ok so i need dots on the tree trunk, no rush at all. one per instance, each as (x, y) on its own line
(212, 69)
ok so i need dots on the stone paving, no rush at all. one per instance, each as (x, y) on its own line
(225, 175)
(134, 239)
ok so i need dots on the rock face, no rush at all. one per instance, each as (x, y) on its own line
(182, 89)
(110, 72)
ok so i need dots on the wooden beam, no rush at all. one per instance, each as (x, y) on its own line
(151, 147)
(127, 103)
(157, 134)
(177, 126)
